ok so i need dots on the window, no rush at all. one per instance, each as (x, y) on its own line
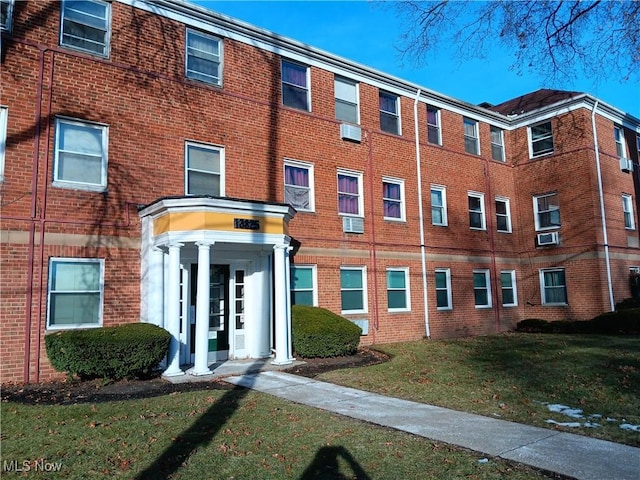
(81, 155)
(6, 12)
(4, 111)
(346, 92)
(476, 211)
(508, 286)
(203, 58)
(547, 211)
(389, 113)
(393, 199)
(298, 185)
(482, 288)
(204, 170)
(471, 141)
(627, 208)
(295, 89)
(497, 144)
(553, 286)
(75, 292)
(85, 26)
(503, 215)
(618, 134)
(433, 125)
(303, 281)
(443, 289)
(353, 289)
(541, 139)
(439, 205)
(398, 289)
(349, 193)
(638, 145)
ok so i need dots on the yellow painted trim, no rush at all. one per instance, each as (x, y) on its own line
(191, 221)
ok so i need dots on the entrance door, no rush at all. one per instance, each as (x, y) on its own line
(218, 334)
(238, 337)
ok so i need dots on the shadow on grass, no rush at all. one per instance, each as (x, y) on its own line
(199, 434)
(326, 465)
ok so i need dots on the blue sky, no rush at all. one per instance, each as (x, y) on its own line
(369, 33)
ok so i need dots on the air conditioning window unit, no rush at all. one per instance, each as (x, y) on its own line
(350, 132)
(626, 165)
(353, 225)
(550, 238)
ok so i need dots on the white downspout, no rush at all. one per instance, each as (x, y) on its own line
(605, 236)
(423, 255)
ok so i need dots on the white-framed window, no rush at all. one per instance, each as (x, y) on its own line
(553, 286)
(295, 86)
(75, 293)
(434, 134)
(482, 288)
(81, 155)
(298, 185)
(503, 215)
(508, 287)
(304, 279)
(621, 149)
(477, 220)
(627, 209)
(204, 169)
(6, 14)
(4, 116)
(398, 298)
(346, 95)
(471, 139)
(546, 210)
(203, 59)
(350, 201)
(389, 112)
(353, 289)
(85, 25)
(443, 289)
(638, 145)
(393, 199)
(439, 205)
(497, 144)
(541, 139)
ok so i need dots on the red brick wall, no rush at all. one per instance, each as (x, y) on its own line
(151, 110)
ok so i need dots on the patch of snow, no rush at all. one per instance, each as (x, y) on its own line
(628, 426)
(591, 425)
(565, 410)
(565, 424)
(483, 460)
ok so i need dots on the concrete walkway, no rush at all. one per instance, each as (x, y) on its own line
(576, 456)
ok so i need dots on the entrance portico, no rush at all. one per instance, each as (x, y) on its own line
(215, 275)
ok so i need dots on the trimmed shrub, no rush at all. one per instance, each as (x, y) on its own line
(125, 351)
(628, 303)
(626, 322)
(532, 325)
(622, 322)
(317, 332)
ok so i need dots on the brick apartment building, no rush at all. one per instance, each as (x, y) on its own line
(163, 163)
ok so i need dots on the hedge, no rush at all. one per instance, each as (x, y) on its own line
(626, 322)
(317, 332)
(124, 351)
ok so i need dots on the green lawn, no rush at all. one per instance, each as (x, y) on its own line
(226, 434)
(515, 376)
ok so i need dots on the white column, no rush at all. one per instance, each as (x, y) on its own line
(282, 313)
(172, 324)
(155, 291)
(287, 282)
(201, 363)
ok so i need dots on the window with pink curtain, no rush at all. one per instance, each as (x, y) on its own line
(294, 85)
(348, 194)
(297, 192)
(392, 202)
